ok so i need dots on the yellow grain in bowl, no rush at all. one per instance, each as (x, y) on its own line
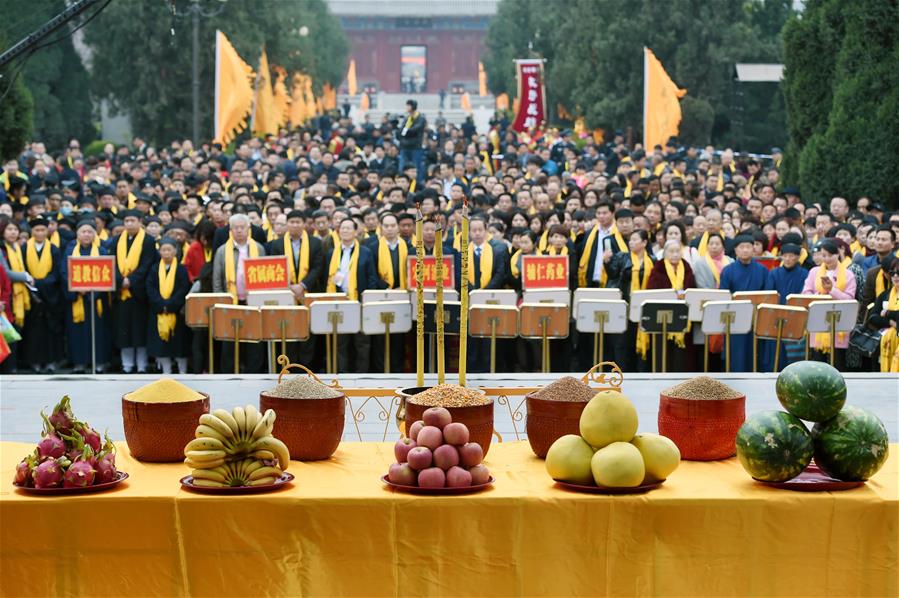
(164, 390)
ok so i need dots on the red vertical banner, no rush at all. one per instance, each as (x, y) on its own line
(531, 96)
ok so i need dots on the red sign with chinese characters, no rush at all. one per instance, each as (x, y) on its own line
(91, 273)
(544, 272)
(531, 96)
(266, 273)
(429, 280)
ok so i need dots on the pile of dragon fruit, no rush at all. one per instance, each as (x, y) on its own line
(70, 454)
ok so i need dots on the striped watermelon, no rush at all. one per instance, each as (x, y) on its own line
(851, 446)
(774, 446)
(811, 390)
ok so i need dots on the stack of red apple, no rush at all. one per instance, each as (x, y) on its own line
(437, 454)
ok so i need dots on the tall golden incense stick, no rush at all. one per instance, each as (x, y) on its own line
(463, 316)
(438, 254)
(419, 300)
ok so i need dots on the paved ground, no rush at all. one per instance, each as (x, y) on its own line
(96, 399)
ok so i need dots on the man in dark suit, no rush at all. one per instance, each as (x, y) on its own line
(481, 254)
(351, 270)
(306, 269)
(411, 135)
(44, 326)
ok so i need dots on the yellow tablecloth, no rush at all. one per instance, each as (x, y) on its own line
(710, 531)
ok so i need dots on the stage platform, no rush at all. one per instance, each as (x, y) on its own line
(97, 399)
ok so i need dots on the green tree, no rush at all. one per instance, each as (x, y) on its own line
(16, 108)
(56, 77)
(154, 87)
(844, 155)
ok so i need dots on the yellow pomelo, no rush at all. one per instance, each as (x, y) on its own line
(618, 465)
(660, 455)
(568, 460)
(608, 417)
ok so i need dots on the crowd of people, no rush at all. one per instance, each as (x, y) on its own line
(340, 198)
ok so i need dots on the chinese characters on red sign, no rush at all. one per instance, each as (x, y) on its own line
(266, 273)
(430, 272)
(531, 104)
(88, 273)
(544, 272)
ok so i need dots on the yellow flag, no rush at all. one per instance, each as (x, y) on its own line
(661, 103)
(502, 101)
(351, 79)
(233, 90)
(465, 102)
(364, 102)
(482, 80)
(298, 100)
(329, 97)
(312, 104)
(265, 112)
(282, 100)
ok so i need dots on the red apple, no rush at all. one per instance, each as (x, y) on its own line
(419, 458)
(471, 454)
(402, 448)
(402, 474)
(446, 456)
(455, 433)
(432, 477)
(439, 417)
(414, 429)
(457, 477)
(479, 475)
(430, 436)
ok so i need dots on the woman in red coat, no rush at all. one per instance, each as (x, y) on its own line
(673, 272)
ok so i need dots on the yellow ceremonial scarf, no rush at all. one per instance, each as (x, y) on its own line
(584, 262)
(231, 267)
(385, 264)
(78, 303)
(207, 253)
(822, 339)
(334, 266)
(889, 342)
(846, 262)
(38, 266)
(676, 276)
(165, 323)
(551, 250)
(21, 298)
(514, 265)
(638, 283)
(294, 276)
(457, 239)
(128, 259)
(54, 239)
(880, 285)
(856, 247)
(714, 268)
(486, 264)
(703, 248)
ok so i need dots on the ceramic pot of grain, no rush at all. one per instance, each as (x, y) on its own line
(555, 411)
(702, 417)
(160, 419)
(466, 405)
(309, 417)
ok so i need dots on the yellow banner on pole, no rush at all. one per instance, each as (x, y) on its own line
(352, 87)
(265, 112)
(233, 90)
(661, 103)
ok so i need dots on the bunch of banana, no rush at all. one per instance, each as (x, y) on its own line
(249, 472)
(229, 448)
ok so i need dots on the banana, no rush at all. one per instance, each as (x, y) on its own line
(267, 481)
(208, 483)
(204, 464)
(204, 431)
(265, 426)
(270, 443)
(208, 474)
(202, 456)
(204, 444)
(252, 415)
(240, 417)
(216, 424)
(264, 472)
(229, 420)
(264, 455)
(253, 466)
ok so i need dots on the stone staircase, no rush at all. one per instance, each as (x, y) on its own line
(428, 105)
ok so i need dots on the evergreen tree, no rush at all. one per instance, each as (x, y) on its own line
(16, 108)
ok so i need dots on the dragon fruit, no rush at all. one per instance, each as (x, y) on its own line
(47, 475)
(24, 471)
(62, 418)
(79, 474)
(51, 446)
(90, 436)
(106, 471)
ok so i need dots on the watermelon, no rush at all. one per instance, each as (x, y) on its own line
(774, 446)
(811, 390)
(851, 446)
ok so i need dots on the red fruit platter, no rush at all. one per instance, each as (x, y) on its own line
(187, 482)
(121, 476)
(438, 491)
(813, 479)
(594, 489)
